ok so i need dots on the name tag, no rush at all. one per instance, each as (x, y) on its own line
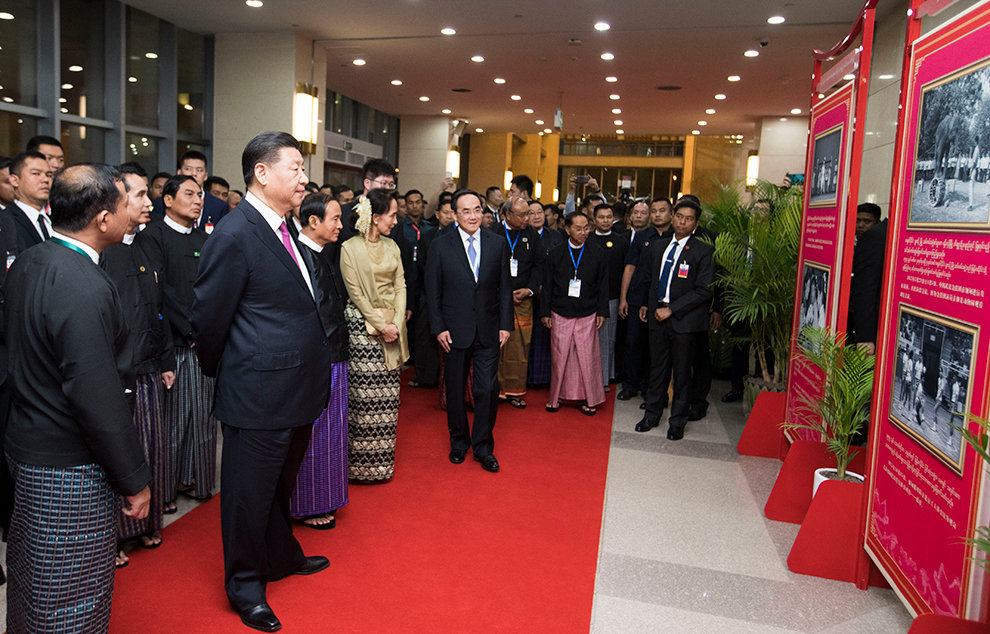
(682, 270)
(514, 267)
(208, 228)
(574, 288)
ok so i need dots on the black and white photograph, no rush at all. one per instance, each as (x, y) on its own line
(814, 298)
(952, 156)
(825, 167)
(931, 382)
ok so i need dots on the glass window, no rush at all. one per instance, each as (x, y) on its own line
(142, 68)
(143, 150)
(192, 82)
(83, 144)
(15, 130)
(19, 56)
(83, 58)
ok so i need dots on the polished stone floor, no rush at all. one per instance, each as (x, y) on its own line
(685, 546)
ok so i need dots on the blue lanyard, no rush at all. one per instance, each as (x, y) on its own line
(570, 252)
(512, 245)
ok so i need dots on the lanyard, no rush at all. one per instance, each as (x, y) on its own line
(417, 230)
(512, 245)
(70, 246)
(570, 252)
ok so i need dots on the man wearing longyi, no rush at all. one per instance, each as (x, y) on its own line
(258, 331)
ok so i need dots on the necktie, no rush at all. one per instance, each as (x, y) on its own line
(472, 257)
(668, 268)
(43, 227)
(286, 241)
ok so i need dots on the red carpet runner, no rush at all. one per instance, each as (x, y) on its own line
(442, 547)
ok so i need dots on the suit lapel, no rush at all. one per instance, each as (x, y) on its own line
(264, 233)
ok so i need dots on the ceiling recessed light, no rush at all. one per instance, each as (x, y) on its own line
(75, 68)
(752, 53)
(188, 106)
(885, 77)
(702, 123)
(733, 78)
(396, 82)
(132, 79)
(620, 131)
(720, 96)
(783, 118)
(608, 57)
(477, 59)
(64, 110)
(6, 16)
(617, 122)
(795, 111)
(528, 110)
(254, 4)
(9, 99)
(62, 100)
(448, 30)
(709, 110)
(151, 55)
(614, 97)
(539, 122)
(602, 26)
(611, 79)
(67, 86)
(359, 62)
(776, 19)
(445, 111)
(499, 80)
(616, 110)
(696, 132)
(547, 130)
(479, 130)
(515, 98)
(424, 98)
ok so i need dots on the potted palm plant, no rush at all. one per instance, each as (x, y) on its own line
(756, 256)
(840, 410)
(980, 442)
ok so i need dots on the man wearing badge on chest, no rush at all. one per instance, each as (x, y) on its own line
(680, 273)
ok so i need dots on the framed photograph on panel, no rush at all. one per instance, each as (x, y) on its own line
(825, 167)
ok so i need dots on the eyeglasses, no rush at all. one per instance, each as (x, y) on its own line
(384, 184)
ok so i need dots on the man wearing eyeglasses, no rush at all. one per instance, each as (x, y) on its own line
(378, 174)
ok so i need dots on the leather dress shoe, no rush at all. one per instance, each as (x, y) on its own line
(625, 395)
(457, 456)
(674, 434)
(732, 397)
(697, 414)
(646, 424)
(312, 565)
(260, 617)
(488, 463)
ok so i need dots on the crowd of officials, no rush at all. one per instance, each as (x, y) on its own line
(143, 312)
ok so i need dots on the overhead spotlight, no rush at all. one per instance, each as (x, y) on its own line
(528, 110)
(445, 111)
(499, 80)
(608, 57)
(477, 59)
(9, 99)
(616, 110)
(539, 122)
(6, 16)
(720, 96)
(515, 98)
(752, 53)
(424, 98)
(547, 130)
(620, 131)
(617, 122)
(396, 82)
(795, 111)
(709, 110)
(151, 55)
(695, 132)
(602, 26)
(783, 118)
(62, 100)
(132, 79)
(448, 30)
(188, 106)
(75, 68)
(254, 4)
(611, 79)
(359, 62)
(733, 78)
(67, 86)
(479, 130)
(776, 19)
(702, 123)
(614, 97)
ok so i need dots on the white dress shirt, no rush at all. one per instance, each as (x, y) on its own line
(678, 245)
(305, 239)
(175, 226)
(477, 249)
(33, 215)
(275, 221)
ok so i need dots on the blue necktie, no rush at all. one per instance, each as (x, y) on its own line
(668, 268)
(472, 257)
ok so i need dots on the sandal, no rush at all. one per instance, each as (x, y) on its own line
(148, 540)
(189, 492)
(120, 560)
(588, 411)
(411, 383)
(170, 508)
(552, 409)
(309, 521)
(517, 402)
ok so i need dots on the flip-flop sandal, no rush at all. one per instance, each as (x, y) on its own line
(153, 543)
(320, 527)
(120, 564)
(517, 402)
(588, 411)
(170, 509)
(552, 409)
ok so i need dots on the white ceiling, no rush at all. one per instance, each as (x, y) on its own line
(691, 44)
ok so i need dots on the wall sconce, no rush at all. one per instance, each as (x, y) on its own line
(752, 168)
(539, 189)
(508, 180)
(305, 117)
(453, 168)
(556, 194)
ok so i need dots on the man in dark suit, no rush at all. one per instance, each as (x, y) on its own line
(866, 287)
(680, 274)
(258, 331)
(378, 174)
(31, 178)
(469, 299)
(193, 163)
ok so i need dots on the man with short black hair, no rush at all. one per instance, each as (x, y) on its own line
(614, 247)
(217, 187)
(867, 215)
(156, 184)
(494, 199)
(71, 442)
(378, 173)
(6, 190)
(521, 186)
(193, 163)
(51, 148)
(31, 179)
(342, 193)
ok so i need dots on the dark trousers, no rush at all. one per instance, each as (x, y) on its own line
(701, 374)
(635, 360)
(427, 357)
(479, 436)
(257, 476)
(672, 353)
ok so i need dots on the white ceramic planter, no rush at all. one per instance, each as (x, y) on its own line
(822, 475)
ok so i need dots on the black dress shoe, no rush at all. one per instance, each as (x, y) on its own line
(488, 463)
(261, 617)
(732, 397)
(646, 424)
(697, 414)
(625, 395)
(642, 405)
(457, 456)
(313, 565)
(674, 434)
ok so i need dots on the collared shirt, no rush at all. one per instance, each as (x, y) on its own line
(175, 226)
(90, 251)
(129, 238)
(33, 215)
(309, 242)
(678, 246)
(477, 245)
(599, 233)
(275, 221)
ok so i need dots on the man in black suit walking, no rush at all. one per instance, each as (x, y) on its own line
(680, 272)
(257, 330)
(31, 178)
(469, 299)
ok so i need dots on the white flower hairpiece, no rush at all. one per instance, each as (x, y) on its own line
(363, 210)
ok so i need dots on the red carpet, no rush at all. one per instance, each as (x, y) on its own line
(442, 547)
